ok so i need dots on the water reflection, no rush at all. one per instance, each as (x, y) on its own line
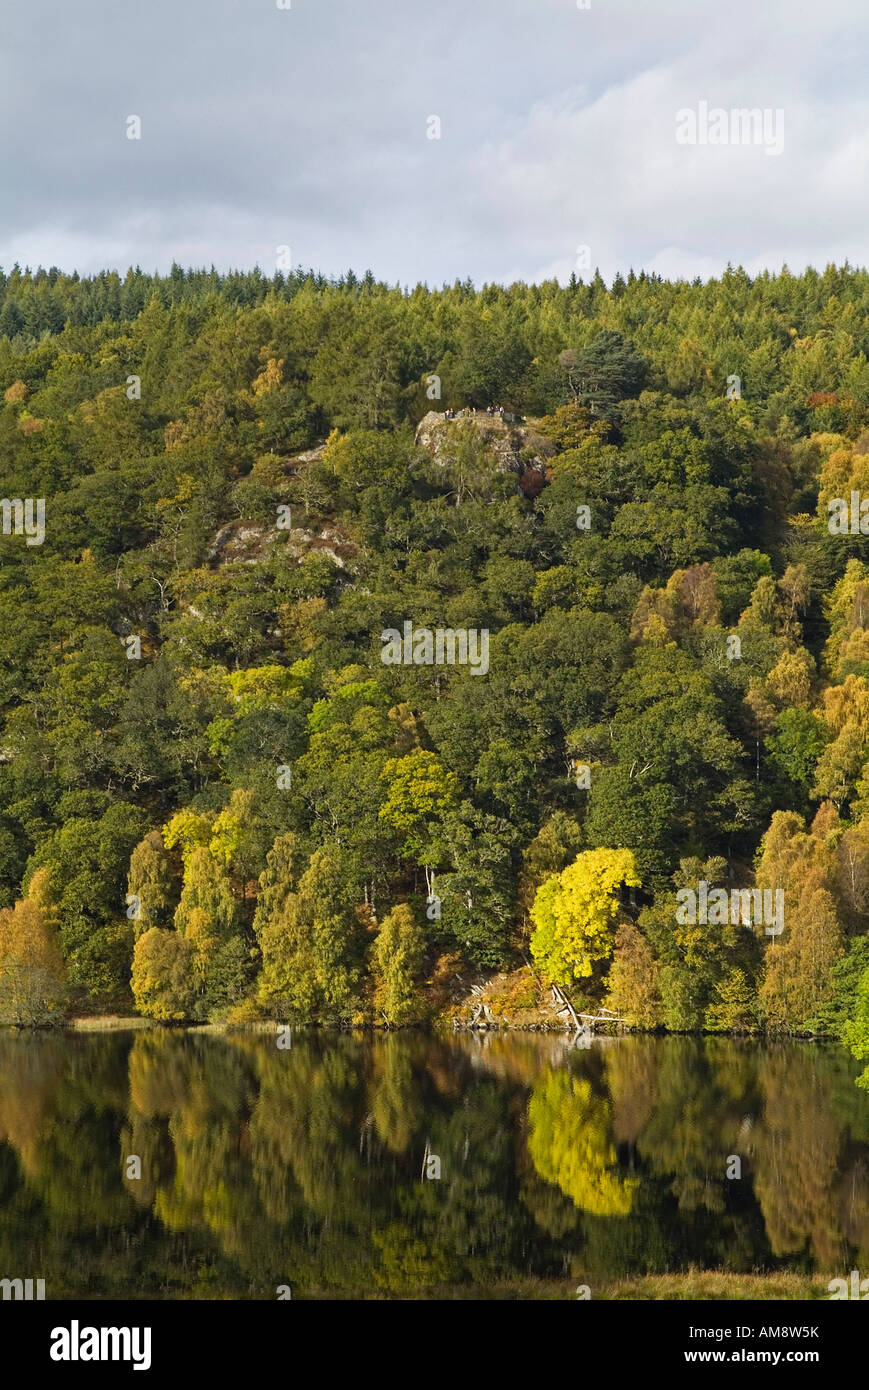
(308, 1166)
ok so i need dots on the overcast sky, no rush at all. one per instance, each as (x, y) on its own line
(309, 127)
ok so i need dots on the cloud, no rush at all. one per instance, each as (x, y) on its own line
(308, 126)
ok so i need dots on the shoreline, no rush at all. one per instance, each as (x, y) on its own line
(439, 1027)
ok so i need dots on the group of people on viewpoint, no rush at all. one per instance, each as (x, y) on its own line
(471, 410)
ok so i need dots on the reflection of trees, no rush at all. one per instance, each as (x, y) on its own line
(466, 1227)
(307, 1119)
(149, 1139)
(318, 1172)
(159, 1073)
(262, 1166)
(569, 1144)
(704, 1089)
(207, 1094)
(67, 1166)
(631, 1078)
(851, 1106)
(854, 1209)
(65, 1215)
(798, 1146)
(394, 1095)
(30, 1075)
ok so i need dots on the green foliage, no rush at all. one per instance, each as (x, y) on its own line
(556, 845)
(312, 944)
(708, 970)
(162, 978)
(420, 795)
(152, 879)
(856, 1030)
(86, 862)
(265, 510)
(603, 373)
(837, 1015)
(398, 952)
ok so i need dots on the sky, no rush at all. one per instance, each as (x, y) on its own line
(310, 127)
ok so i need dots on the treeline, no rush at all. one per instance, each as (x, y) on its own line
(214, 793)
(357, 352)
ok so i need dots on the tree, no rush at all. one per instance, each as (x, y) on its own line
(797, 976)
(419, 796)
(797, 982)
(604, 373)
(163, 978)
(574, 912)
(398, 953)
(312, 945)
(32, 973)
(852, 879)
(556, 845)
(856, 1031)
(794, 749)
(355, 376)
(87, 860)
(688, 601)
(207, 890)
(633, 987)
(208, 917)
(152, 880)
(240, 838)
(701, 961)
(285, 863)
(667, 738)
(835, 1016)
(188, 831)
(845, 711)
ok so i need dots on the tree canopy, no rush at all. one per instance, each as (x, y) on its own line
(217, 800)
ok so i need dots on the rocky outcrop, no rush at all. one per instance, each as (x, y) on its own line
(309, 456)
(244, 542)
(516, 447)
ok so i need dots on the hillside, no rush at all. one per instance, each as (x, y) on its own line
(314, 699)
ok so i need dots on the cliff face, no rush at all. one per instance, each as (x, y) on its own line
(517, 448)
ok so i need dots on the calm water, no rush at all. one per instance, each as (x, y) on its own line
(305, 1167)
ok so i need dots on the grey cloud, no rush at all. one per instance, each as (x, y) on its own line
(307, 127)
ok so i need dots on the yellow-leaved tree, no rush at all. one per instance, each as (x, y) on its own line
(163, 975)
(574, 913)
(32, 972)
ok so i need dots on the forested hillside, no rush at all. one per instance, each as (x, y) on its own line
(219, 799)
